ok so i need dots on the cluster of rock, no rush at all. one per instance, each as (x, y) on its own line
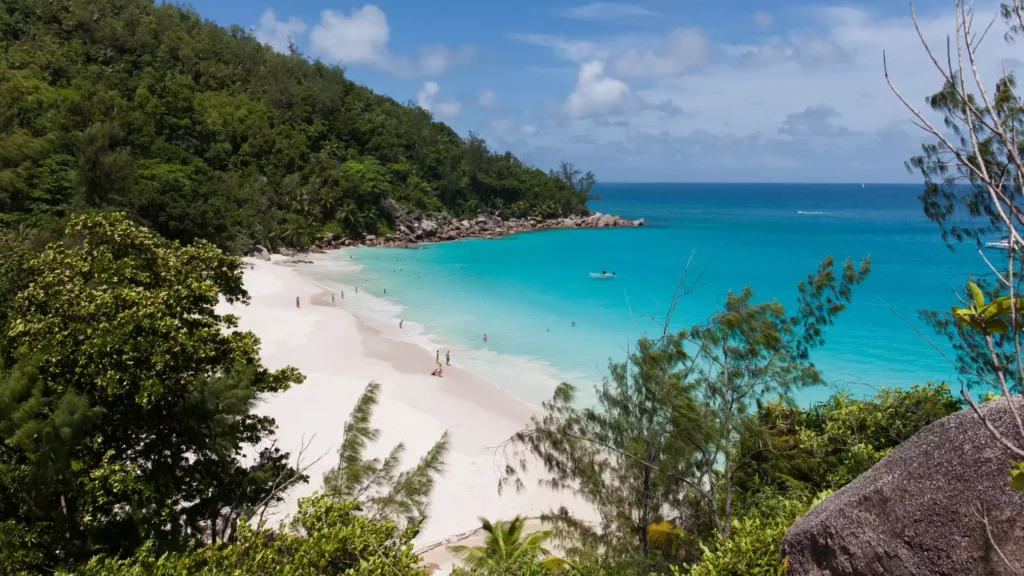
(415, 227)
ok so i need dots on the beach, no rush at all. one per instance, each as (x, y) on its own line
(339, 355)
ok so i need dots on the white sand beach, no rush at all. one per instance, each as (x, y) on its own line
(339, 355)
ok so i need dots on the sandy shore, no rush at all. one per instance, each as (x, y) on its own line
(339, 355)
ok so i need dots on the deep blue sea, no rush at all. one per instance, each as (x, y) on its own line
(524, 291)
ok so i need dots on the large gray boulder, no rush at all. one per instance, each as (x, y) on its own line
(916, 512)
(260, 253)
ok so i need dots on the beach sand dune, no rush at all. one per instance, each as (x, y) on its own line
(339, 355)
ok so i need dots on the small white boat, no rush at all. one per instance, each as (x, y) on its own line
(1001, 244)
(602, 275)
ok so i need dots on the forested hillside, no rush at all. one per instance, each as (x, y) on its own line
(199, 131)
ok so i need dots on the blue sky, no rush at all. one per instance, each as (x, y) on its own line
(652, 90)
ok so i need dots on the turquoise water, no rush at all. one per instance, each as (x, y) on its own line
(524, 291)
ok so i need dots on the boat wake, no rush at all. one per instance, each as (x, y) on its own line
(812, 213)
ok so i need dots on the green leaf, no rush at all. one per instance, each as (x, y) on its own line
(977, 294)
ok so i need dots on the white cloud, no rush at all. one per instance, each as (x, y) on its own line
(575, 50)
(426, 99)
(763, 19)
(606, 10)
(506, 128)
(362, 38)
(811, 103)
(595, 93)
(276, 33)
(435, 59)
(683, 49)
(488, 99)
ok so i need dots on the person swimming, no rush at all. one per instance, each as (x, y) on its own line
(485, 337)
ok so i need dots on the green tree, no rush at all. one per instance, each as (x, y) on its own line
(750, 351)
(378, 485)
(755, 537)
(323, 537)
(146, 108)
(973, 171)
(785, 448)
(127, 405)
(507, 548)
(660, 445)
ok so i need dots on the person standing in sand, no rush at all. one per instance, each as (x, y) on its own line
(400, 322)
(332, 297)
(297, 302)
(448, 358)
(437, 358)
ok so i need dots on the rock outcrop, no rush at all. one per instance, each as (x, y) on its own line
(414, 227)
(260, 253)
(919, 510)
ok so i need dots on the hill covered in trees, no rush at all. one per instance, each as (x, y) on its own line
(200, 131)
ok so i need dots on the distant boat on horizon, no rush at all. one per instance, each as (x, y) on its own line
(602, 275)
(1001, 244)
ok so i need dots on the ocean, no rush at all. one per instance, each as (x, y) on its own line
(525, 291)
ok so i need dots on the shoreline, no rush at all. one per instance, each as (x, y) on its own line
(339, 354)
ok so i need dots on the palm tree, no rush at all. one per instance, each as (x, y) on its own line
(349, 217)
(506, 547)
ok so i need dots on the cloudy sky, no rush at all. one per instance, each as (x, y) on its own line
(658, 90)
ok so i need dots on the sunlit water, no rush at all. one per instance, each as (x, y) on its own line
(524, 291)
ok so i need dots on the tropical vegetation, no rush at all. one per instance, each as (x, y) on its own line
(202, 132)
(138, 143)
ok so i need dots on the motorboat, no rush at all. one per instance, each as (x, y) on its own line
(1001, 244)
(602, 275)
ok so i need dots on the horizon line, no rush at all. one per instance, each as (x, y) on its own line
(760, 183)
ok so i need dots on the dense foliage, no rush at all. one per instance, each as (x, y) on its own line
(508, 550)
(324, 537)
(202, 132)
(824, 448)
(125, 404)
(752, 546)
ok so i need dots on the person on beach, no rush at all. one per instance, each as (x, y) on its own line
(437, 358)
(332, 297)
(357, 289)
(385, 291)
(342, 294)
(485, 337)
(297, 302)
(400, 322)
(448, 358)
